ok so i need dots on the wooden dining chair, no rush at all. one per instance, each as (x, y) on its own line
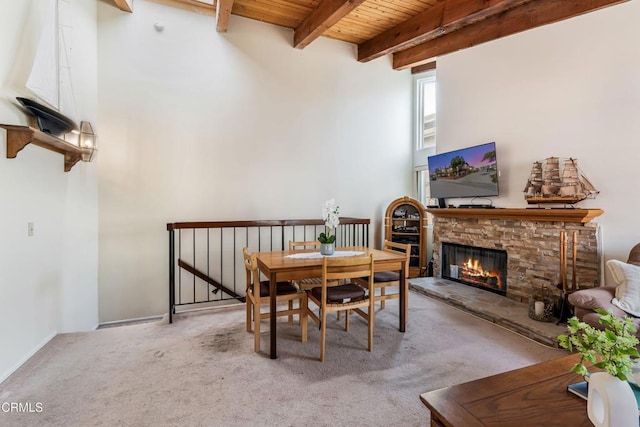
(257, 294)
(312, 282)
(384, 279)
(348, 296)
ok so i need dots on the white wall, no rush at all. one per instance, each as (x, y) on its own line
(48, 282)
(570, 89)
(198, 125)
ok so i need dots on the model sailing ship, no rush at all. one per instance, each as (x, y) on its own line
(549, 183)
(51, 101)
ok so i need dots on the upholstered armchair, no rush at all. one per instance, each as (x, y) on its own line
(623, 297)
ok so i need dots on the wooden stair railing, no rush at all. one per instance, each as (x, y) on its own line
(209, 254)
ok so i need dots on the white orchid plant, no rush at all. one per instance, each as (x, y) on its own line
(331, 220)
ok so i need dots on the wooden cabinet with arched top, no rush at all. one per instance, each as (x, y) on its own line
(405, 221)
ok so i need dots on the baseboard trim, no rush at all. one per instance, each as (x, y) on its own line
(22, 361)
(210, 307)
(123, 322)
(160, 317)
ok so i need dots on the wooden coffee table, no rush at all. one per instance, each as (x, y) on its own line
(533, 396)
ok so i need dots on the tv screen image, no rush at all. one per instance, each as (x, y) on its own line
(467, 172)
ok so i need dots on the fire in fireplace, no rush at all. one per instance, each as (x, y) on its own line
(480, 267)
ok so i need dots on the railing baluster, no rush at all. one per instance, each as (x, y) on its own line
(208, 263)
(194, 263)
(221, 258)
(234, 259)
(180, 274)
(172, 272)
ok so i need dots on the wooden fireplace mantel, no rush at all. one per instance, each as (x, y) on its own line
(524, 214)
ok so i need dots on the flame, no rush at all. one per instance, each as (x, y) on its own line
(472, 270)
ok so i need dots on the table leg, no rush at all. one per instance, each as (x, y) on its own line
(272, 316)
(435, 421)
(404, 298)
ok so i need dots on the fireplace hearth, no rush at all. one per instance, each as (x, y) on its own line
(482, 268)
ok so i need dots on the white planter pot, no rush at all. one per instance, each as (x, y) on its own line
(611, 402)
(327, 248)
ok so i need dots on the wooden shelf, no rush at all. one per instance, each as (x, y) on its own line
(19, 137)
(418, 239)
(532, 214)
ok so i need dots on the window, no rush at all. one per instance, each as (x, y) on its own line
(426, 105)
(425, 130)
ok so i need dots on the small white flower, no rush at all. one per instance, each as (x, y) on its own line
(331, 220)
(330, 213)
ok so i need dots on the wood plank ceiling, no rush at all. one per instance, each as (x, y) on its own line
(414, 32)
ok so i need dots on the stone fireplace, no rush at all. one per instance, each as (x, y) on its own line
(482, 268)
(531, 240)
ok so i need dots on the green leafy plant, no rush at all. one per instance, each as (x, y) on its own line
(611, 348)
(323, 238)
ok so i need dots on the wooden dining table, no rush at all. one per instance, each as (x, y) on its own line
(277, 266)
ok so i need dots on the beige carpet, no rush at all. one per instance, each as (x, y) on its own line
(202, 371)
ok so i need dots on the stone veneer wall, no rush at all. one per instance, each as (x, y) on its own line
(533, 250)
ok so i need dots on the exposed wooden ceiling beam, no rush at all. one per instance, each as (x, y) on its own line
(190, 5)
(327, 14)
(521, 18)
(223, 12)
(424, 67)
(126, 5)
(438, 20)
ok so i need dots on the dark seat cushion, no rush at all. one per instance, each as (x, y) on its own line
(282, 288)
(340, 293)
(386, 276)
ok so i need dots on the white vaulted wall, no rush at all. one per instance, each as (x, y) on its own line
(48, 282)
(198, 125)
(570, 89)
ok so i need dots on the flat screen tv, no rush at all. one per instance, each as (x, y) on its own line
(467, 172)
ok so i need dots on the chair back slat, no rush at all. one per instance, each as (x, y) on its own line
(303, 245)
(347, 267)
